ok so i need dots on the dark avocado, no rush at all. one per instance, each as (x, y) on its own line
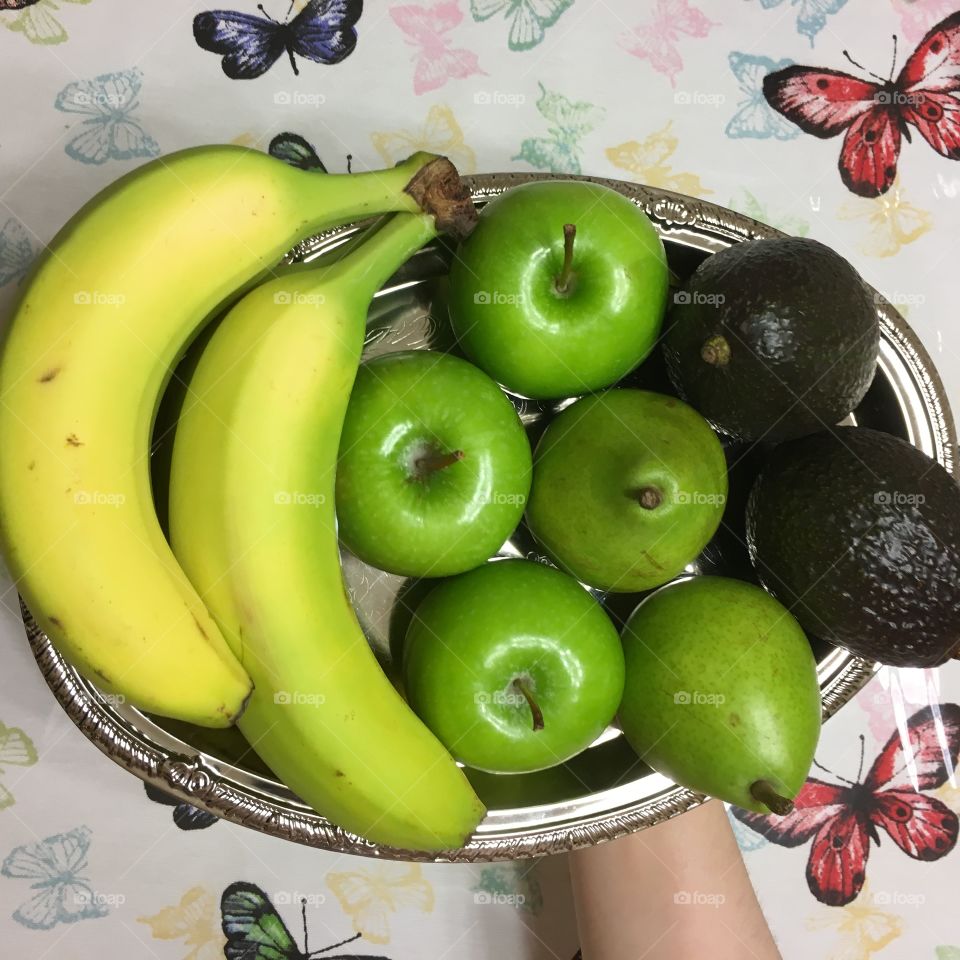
(858, 533)
(773, 339)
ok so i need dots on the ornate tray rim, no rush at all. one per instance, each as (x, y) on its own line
(197, 778)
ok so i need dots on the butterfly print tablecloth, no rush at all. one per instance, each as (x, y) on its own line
(699, 96)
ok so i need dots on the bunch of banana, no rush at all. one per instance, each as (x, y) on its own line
(252, 521)
(122, 290)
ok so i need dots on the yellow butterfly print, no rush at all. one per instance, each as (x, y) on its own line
(647, 163)
(195, 920)
(16, 750)
(863, 928)
(369, 896)
(38, 23)
(892, 222)
(252, 140)
(949, 794)
(440, 133)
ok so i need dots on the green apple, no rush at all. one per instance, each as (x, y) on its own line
(628, 487)
(434, 466)
(514, 666)
(560, 289)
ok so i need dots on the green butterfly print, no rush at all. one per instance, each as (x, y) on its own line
(16, 750)
(745, 202)
(529, 19)
(570, 121)
(254, 930)
(514, 884)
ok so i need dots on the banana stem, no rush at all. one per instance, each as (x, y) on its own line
(373, 263)
(424, 183)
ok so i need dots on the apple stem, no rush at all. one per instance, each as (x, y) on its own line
(762, 791)
(432, 462)
(566, 271)
(649, 498)
(534, 706)
(716, 351)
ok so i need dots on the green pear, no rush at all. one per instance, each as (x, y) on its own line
(629, 486)
(721, 692)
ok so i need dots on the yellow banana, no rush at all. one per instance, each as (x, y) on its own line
(121, 291)
(252, 521)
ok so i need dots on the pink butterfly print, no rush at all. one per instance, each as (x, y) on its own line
(657, 39)
(916, 16)
(894, 694)
(425, 29)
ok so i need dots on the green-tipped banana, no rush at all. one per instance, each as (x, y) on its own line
(252, 521)
(122, 290)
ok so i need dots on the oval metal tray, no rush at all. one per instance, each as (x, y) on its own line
(606, 791)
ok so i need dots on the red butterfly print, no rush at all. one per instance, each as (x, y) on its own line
(842, 819)
(876, 115)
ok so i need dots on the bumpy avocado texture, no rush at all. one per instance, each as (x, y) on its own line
(858, 533)
(773, 339)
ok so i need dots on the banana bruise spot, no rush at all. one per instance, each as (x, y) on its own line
(56, 622)
(49, 375)
(206, 636)
(73, 440)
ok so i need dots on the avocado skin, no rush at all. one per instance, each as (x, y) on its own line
(803, 334)
(838, 533)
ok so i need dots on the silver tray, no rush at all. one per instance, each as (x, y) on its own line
(606, 791)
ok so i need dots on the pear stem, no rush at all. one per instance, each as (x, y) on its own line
(562, 282)
(716, 351)
(649, 498)
(534, 706)
(762, 791)
(430, 463)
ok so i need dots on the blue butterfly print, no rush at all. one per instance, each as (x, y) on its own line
(812, 15)
(755, 117)
(110, 132)
(16, 252)
(254, 930)
(323, 31)
(185, 815)
(56, 865)
(747, 839)
(297, 151)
